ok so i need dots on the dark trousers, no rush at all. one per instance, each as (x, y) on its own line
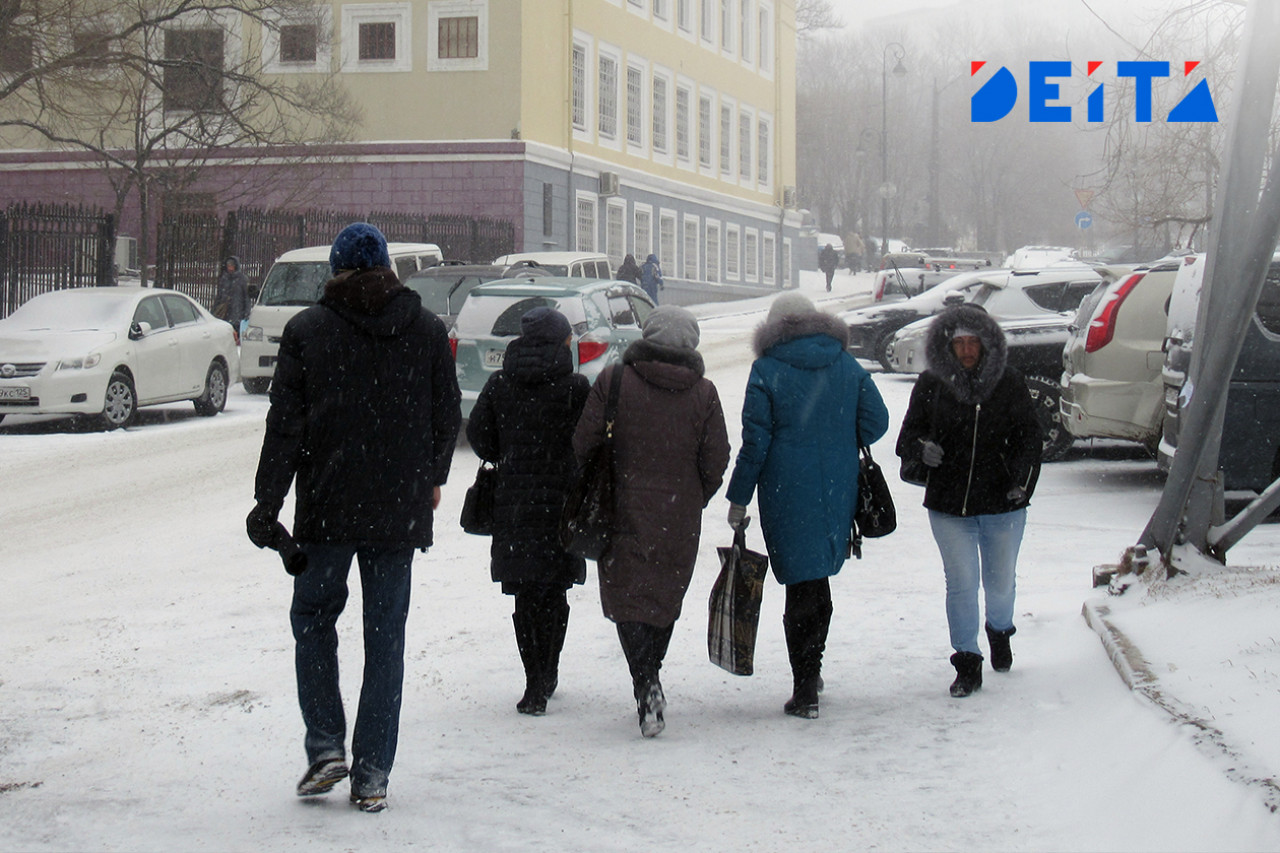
(319, 596)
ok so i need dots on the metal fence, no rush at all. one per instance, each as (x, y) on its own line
(47, 247)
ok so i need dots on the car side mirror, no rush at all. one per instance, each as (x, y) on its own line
(138, 330)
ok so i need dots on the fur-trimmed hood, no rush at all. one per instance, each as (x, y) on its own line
(372, 299)
(677, 368)
(790, 327)
(969, 386)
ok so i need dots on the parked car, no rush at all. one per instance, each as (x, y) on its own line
(912, 273)
(1111, 383)
(105, 351)
(572, 264)
(294, 282)
(606, 317)
(444, 287)
(1038, 257)
(1249, 456)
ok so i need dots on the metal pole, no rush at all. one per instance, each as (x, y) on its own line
(884, 151)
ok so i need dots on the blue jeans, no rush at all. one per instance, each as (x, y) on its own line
(319, 595)
(978, 549)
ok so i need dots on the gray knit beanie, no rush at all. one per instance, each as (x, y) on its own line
(672, 326)
(790, 304)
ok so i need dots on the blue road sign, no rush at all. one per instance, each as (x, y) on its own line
(1084, 219)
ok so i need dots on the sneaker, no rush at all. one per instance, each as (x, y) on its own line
(322, 776)
(651, 708)
(372, 804)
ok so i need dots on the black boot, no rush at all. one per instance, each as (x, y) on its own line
(534, 700)
(968, 673)
(1001, 655)
(557, 624)
(806, 641)
(645, 646)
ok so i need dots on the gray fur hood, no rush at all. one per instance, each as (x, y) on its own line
(791, 326)
(968, 386)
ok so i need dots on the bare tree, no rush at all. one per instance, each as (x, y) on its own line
(815, 15)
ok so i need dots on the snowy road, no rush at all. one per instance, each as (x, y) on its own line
(147, 701)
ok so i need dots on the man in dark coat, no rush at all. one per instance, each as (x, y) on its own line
(629, 271)
(364, 414)
(971, 422)
(231, 303)
(651, 277)
(523, 422)
(828, 260)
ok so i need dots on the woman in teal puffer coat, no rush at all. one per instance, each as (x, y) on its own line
(808, 403)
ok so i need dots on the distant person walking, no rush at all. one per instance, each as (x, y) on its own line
(828, 260)
(523, 422)
(853, 252)
(629, 271)
(651, 277)
(671, 449)
(971, 422)
(363, 419)
(231, 301)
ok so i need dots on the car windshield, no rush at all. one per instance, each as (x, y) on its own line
(499, 314)
(71, 311)
(295, 283)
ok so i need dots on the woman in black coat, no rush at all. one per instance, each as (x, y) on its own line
(523, 422)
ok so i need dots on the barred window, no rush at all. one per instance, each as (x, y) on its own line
(744, 146)
(580, 86)
(682, 122)
(459, 38)
(608, 101)
(615, 233)
(586, 225)
(786, 261)
(667, 241)
(750, 258)
(193, 70)
(298, 42)
(713, 252)
(659, 115)
(377, 40)
(726, 139)
(635, 105)
(643, 232)
(731, 253)
(770, 260)
(762, 152)
(691, 249)
(704, 131)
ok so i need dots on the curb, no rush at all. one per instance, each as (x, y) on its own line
(1136, 672)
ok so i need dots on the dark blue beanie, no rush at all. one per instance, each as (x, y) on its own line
(360, 246)
(544, 325)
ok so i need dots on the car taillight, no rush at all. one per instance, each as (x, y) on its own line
(1103, 327)
(453, 347)
(589, 350)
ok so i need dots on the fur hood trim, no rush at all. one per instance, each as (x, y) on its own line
(969, 386)
(791, 326)
(645, 350)
(362, 291)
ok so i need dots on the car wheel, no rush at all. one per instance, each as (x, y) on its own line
(883, 349)
(214, 398)
(1045, 394)
(256, 384)
(121, 402)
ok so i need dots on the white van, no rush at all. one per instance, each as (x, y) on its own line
(296, 281)
(572, 264)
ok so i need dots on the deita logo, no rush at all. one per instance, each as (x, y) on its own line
(996, 98)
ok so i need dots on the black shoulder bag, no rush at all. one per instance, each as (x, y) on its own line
(586, 524)
(874, 514)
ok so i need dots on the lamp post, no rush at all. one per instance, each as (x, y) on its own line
(887, 189)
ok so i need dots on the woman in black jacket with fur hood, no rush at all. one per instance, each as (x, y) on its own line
(972, 426)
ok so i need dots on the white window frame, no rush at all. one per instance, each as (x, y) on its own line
(726, 32)
(732, 253)
(458, 9)
(690, 268)
(724, 151)
(585, 201)
(583, 131)
(786, 261)
(746, 23)
(711, 253)
(668, 255)
(765, 47)
(768, 257)
(323, 20)
(609, 54)
(232, 48)
(746, 119)
(355, 14)
(615, 231)
(666, 153)
(764, 154)
(641, 244)
(685, 18)
(751, 255)
(640, 148)
(686, 87)
(707, 134)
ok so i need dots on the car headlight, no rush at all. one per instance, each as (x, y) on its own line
(252, 333)
(84, 363)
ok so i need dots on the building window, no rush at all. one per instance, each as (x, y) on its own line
(750, 256)
(713, 251)
(660, 10)
(90, 46)
(643, 237)
(579, 86)
(690, 248)
(731, 253)
(586, 224)
(704, 131)
(659, 114)
(726, 25)
(726, 139)
(458, 38)
(667, 241)
(786, 261)
(17, 47)
(770, 260)
(193, 80)
(615, 232)
(548, 209)
(744, 146)
(684, 15)
(298, 43)
(682, 123)
(762, 151)
(745, 20)
(765, 56)
(375, 37)
(607, 123)
(635, 106)
(706, 22)
(458, 35)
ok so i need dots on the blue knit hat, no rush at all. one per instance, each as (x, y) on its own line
(360, 246)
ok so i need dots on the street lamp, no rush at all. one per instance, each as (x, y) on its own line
(886, 189)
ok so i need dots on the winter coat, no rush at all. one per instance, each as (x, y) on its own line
(364, 412)
(808, 403)
(231, 302)
(671, 450)
(629, 271)
(523, 422)
(651, 277)
(828, 259)
(983, 418)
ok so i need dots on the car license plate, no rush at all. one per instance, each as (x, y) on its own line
(15, 392)
(493, 357)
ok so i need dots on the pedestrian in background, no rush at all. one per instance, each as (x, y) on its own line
(629, 271)
(364, 415)
(853, 252)
(808, 405)
(651, 277)
(231, 301)
(523, 422)
(670, 453)
(972, 423)
(828, 260)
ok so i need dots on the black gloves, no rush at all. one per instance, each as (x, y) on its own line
(261, 525)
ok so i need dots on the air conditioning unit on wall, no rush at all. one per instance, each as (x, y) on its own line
(608, 183)
(788, 196)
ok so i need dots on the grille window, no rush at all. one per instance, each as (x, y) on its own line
(459, 38)
(377, 41)
(579, 87)
(298, 43)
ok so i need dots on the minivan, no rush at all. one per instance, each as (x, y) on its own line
(296, 281)
(565, 264)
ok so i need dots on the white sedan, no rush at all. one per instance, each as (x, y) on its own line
(105, 351)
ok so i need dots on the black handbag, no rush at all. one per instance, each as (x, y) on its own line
(875, 515)
(586, 524)
(477, 506)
